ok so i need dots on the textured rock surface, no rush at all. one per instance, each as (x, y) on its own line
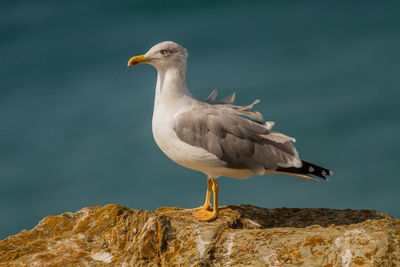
(244, 235)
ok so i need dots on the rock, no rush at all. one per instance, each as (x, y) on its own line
(243, 235)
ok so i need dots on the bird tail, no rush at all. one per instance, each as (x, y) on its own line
(306, 170)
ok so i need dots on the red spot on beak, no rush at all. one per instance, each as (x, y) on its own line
(134, 63)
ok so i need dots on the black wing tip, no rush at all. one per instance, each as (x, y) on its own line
(310, 169)
(316, 170)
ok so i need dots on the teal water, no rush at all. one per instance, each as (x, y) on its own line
(75, 125)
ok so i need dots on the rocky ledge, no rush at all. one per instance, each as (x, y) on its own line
(243, 235)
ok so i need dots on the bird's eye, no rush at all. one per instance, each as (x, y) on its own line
(164, 51)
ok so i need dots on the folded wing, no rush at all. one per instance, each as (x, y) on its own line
(237, 136)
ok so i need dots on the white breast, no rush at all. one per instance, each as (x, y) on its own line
(182, 153)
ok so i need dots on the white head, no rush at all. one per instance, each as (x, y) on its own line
(163, 56)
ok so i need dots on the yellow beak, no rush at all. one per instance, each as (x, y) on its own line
(138, 60)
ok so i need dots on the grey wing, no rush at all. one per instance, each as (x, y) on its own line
(241, 142)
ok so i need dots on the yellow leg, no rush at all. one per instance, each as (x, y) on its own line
(215, 193)
(203, 214)
(207, 202)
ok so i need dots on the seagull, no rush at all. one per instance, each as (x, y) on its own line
(216, 138)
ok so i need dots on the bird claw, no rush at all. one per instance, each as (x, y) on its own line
(205, 215)
(204, 207)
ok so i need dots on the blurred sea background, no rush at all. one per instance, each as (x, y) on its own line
(75, 122)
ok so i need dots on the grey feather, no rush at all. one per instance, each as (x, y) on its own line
(212, 96)
(236, 135)
(229, 99)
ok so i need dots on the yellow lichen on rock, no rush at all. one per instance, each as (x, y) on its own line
(243, 235)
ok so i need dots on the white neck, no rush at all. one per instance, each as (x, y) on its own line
(171, 95)
(171, 86)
